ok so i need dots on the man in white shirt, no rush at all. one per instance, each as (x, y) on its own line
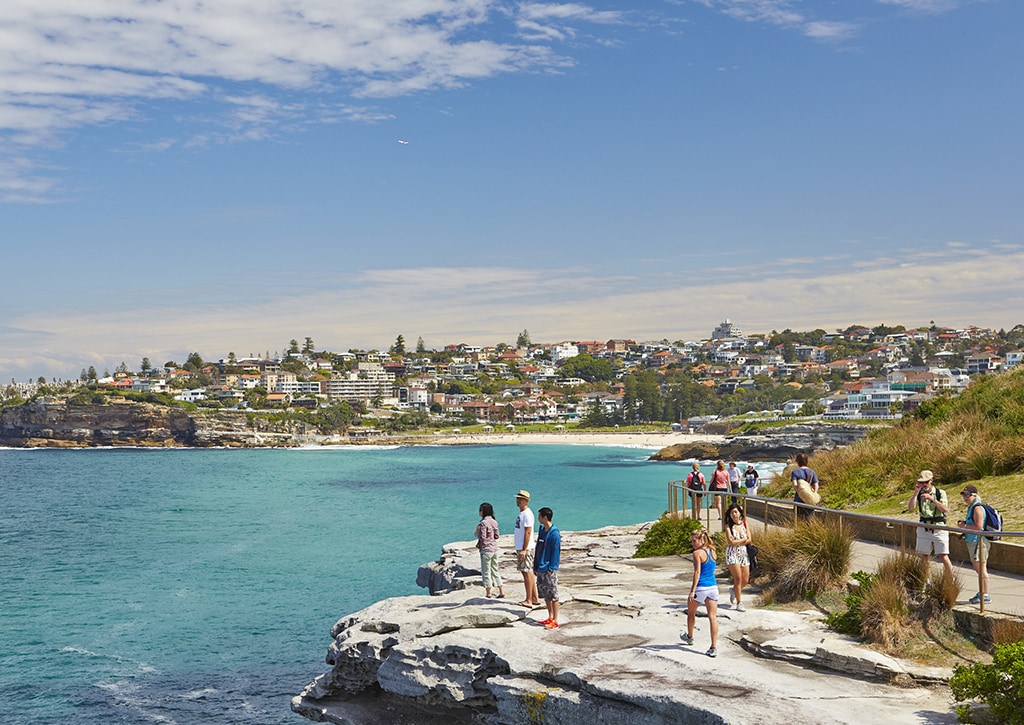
(524, 548)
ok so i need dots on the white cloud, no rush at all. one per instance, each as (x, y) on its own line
(924, 6)
(830, 30)
(783, 13)
(69, 63)
(953, 286)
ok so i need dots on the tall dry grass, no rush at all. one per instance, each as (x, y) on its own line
(885, 612)
(808, 560)
(977, 434)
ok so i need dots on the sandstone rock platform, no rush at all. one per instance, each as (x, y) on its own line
(458, 657)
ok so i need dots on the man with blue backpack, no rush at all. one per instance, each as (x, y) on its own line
(977, 519)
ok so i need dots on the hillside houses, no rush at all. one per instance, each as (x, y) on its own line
(856, 372)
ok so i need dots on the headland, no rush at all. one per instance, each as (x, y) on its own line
(458, 657)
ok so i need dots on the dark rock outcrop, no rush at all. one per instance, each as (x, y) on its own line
(778, 444)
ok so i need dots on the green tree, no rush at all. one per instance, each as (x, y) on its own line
(420, 347)
(588, 368)
(122, 368)
(194, 363)
(398, 349)
(293, 347)
(524, 339)
(145, 366)
(308, 347)
(91, 375)
(595, 416)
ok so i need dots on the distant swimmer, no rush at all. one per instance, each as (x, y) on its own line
(404, 143)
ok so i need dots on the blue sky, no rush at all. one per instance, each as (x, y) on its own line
(226, 176)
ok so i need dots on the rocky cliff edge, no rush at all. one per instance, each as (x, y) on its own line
(458, 657)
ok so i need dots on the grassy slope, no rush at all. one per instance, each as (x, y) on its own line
(977, 437)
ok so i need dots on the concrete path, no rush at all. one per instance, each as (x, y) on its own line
(1005, 590)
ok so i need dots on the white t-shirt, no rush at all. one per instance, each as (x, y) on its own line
(524, 520)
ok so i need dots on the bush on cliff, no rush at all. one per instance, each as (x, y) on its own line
(805, 561)
(999, 685)
(671, 537)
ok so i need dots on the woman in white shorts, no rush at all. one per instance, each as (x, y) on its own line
(736, 558)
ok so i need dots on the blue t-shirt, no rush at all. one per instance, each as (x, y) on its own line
(549, 549)
(804, 473)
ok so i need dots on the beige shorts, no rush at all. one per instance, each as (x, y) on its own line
(972, 548)
(930, 541)
(524, 562)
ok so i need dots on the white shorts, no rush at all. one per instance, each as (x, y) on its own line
(704, 593)
(929, 539)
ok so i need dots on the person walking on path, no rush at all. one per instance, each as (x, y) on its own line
(718, 485)
(738, 536)
(697, 485)
(703, 589)
(751, 480)
(487, 541)
(734, 481)
(805, 473)
(932, 505)
(975, 521)
(523, 538)
(545, 564)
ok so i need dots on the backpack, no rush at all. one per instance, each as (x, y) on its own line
(993, 521)
(939, 496)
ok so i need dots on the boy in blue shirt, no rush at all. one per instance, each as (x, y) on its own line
(545, 564)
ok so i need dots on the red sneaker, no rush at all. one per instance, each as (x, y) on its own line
(551, 625)
(545, 621)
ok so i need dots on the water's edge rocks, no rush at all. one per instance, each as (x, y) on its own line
(55, 423)
(772, 444)
(458, 657)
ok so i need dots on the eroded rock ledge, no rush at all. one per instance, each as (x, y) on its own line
(773, 444)
(458, 657)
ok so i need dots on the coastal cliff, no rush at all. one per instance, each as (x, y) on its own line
(770, 444)
(52, 423)
(458, 657)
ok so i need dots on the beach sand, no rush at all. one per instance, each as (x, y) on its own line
(655, 440)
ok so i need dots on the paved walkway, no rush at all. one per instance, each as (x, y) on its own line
(1006, 590)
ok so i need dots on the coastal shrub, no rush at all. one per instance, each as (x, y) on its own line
(849, 621)
(806, 561)
(908, 570)
(885, 612)
(999, 685)
(941, 593)
(667, 537)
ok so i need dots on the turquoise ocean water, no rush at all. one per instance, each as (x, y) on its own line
(200, 586)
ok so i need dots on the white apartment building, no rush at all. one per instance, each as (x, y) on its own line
(563, 351)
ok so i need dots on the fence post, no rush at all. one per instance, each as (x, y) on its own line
(981, 572)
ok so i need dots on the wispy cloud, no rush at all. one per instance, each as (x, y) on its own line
(924, 6)
(66, 64)
(953, 285)
(785, 14)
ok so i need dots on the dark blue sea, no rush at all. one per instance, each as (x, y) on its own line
(200, 586)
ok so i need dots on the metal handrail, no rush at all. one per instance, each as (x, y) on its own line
(675, 488)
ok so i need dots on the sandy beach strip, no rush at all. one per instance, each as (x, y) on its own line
(655, 440)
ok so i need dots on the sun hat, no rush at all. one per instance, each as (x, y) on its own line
(925, 475)
(523, 493)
